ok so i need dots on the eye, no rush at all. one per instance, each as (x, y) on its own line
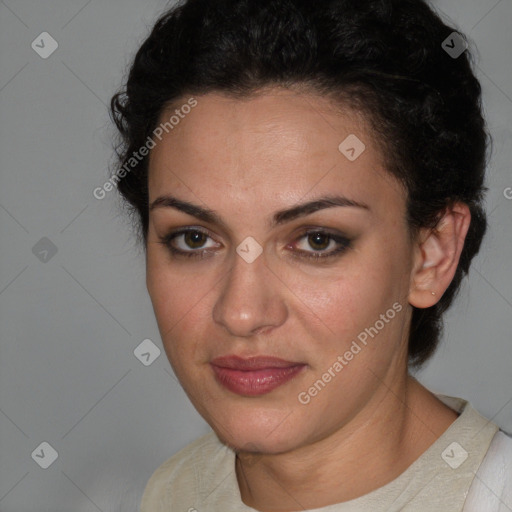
(190, 242)
(323, 244)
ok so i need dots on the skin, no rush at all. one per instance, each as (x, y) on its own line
(246, 160)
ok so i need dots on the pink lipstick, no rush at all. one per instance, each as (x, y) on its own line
(254, 376)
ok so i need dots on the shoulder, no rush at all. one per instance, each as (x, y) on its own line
(491, 490)
(178, 477)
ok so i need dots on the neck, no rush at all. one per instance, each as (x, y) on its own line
(372, 449)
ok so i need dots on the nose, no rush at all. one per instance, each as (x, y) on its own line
(250, 301)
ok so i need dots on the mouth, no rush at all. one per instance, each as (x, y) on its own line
(254, 376)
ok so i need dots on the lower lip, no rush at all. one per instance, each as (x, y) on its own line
(255, 382)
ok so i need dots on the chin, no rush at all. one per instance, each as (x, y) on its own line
(257, 432)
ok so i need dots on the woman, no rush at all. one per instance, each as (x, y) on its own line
(307, 180)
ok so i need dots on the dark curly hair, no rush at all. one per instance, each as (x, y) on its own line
(384, 58)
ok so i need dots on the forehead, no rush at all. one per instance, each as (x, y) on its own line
(280, 144)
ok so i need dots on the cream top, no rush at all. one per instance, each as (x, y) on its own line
(201, 477)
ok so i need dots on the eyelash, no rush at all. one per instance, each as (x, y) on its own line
(343, 244)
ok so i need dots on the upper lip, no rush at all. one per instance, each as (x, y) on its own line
(252, 363)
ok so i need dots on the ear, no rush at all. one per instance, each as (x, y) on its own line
(437, 254)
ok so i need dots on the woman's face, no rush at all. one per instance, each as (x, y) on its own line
(258, 273)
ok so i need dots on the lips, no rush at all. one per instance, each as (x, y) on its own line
(255, 375)
(252, 363)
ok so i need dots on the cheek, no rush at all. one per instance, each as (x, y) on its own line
(353, 346)
(174, 287)
(180, 301)
(350, 297)
(354, 305)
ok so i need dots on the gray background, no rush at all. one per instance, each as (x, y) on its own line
(70, 321)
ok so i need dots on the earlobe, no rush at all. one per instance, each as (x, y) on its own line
(437, 256)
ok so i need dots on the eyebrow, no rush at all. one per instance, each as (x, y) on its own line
(280, 217)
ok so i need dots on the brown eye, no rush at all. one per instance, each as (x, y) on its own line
(320, 244)
(190, 243)
(194, 239)
(319, 241)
